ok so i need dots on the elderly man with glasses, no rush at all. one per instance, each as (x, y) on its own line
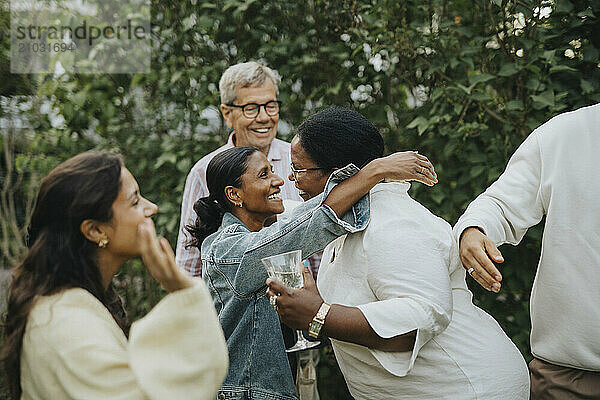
(250, 108)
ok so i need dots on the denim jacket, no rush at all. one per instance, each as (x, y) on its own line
(232, 268)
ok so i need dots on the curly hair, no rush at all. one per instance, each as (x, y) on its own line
(336, 137)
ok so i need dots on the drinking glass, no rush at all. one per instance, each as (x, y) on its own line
(287, 267)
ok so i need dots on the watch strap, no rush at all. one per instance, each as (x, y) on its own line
(314, 328)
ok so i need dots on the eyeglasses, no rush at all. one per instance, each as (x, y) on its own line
(251, 110)
(296, 171)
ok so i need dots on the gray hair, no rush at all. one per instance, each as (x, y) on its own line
(248, 74)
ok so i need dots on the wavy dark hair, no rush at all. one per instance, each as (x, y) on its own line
(225, 169)
(336, 137)
(59, 255)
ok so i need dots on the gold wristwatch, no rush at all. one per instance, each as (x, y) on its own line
(314, 328)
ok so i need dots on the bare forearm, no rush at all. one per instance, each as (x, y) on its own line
(350, 325)
(298, 307)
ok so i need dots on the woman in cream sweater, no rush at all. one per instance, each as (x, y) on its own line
(66, 334)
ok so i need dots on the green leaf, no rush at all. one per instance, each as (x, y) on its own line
(450, 148)
(544, 99)
(590, 54)
(416, 122)
(563, 6)
(477, 170)
(420, 123)
(475, 79)
(467, 90)
(457, 108)
(175, 77)
(478, 158)
(480, 96)
(335, 89)
(549, 54)
(21, 163)
(514, 105)
(205, 21)
(467, 32)
(534, 84)
(508, 70)
(437, 196)
(184, 165)
(436, 93)
(79, 98)
(533, 68)
(586, 13)
(526, 43)
(561, 68)
(165, 158)
(188, 22)
(493, 174)
(586, 86)
(469, 62)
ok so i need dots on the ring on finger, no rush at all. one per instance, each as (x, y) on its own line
(470, 271)
(273, 301)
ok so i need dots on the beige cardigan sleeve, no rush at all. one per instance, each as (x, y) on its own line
(73, 348)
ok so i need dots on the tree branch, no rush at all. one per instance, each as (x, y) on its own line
(493, 114)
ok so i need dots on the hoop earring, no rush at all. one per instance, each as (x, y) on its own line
(240, 204)
(103, 243)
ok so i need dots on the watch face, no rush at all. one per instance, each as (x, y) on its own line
(315, 328)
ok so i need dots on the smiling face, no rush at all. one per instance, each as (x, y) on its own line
(260, 193)
(309, 183)
(259, 131)
(130, 210)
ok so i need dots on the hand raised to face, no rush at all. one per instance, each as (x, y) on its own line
(160, 259)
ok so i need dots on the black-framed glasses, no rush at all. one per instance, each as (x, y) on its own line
(296, 171)
(251, 110)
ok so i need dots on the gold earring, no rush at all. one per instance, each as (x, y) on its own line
(103, 243)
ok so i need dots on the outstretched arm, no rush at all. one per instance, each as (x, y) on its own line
(315, 223)
(505, 211)
(407, 165)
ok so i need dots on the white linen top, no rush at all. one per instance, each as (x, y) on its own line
(74, 349)
(404, 274)
(555, 172)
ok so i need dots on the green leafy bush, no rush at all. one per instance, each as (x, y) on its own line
(464, 82)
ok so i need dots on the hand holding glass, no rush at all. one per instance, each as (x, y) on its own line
(287, 267)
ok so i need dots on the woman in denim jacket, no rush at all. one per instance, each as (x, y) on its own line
(229, 229)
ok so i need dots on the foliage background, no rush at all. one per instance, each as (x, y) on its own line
(464, 82)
